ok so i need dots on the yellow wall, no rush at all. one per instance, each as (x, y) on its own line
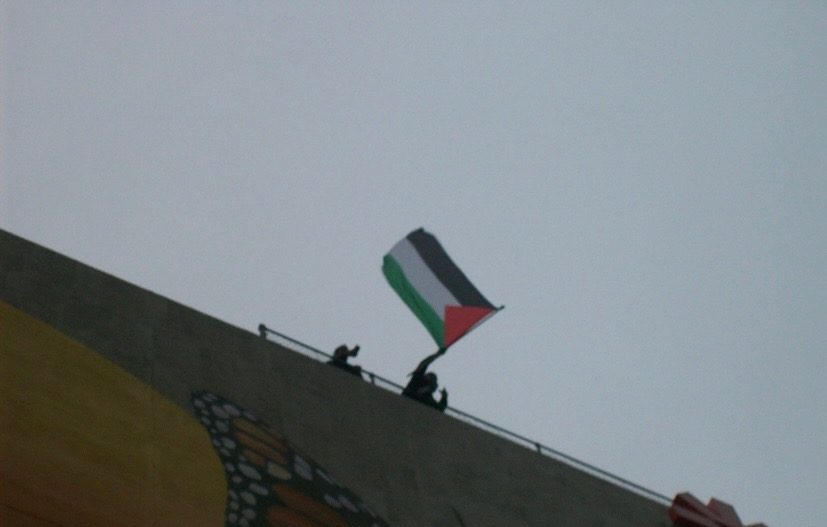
(83, 442)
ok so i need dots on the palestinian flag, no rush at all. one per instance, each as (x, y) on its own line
(434, 288)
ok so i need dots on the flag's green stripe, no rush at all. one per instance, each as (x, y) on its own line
(423, 311)
(422, 278)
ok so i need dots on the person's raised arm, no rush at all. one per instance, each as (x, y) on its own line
(428, 360)
(443, 401)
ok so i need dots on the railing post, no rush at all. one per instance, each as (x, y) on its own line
(539, 447)
(262, 331)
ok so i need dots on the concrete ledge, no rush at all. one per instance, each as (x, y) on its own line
(414, 466)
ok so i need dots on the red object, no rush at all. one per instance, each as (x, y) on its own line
(460, 319)
(689, 511)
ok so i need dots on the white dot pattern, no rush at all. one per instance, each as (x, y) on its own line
(259, 465)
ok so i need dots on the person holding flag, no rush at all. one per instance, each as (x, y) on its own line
(423, 384)
(441, 297)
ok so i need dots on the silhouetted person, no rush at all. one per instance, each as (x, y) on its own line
(340, 357)
(423, 384)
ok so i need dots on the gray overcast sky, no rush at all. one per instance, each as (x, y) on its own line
(643, 186)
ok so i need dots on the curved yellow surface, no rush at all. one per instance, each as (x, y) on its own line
(83, 442)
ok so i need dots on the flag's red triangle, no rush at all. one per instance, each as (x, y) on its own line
(459, 319)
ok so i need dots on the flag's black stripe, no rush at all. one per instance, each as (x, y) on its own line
(445, 270)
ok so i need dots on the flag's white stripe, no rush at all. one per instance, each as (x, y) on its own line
(422, 278)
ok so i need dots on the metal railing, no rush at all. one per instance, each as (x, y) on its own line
(389, 385)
